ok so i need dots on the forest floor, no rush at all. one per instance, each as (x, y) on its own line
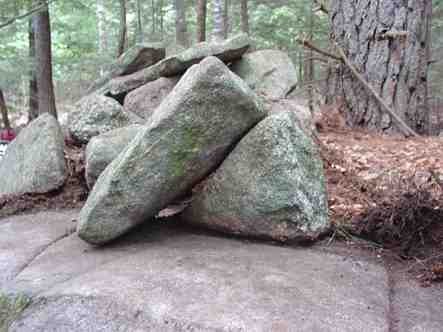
(385, 195)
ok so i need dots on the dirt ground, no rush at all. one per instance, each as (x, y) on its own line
(385, 195)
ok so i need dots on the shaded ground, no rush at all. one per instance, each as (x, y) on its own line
(166, 277)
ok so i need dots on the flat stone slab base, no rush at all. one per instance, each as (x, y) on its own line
(166, 277)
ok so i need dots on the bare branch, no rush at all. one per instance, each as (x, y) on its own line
(27, 14)
(309, 45)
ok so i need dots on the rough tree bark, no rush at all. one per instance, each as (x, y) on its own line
(123, 34)
(201, 20)
(180, 23)
(46, 98)
(33, 88)
(217, 20)
(388, 43)
(244, 16)
(4, 111)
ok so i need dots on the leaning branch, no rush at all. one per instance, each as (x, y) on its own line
(408, 131)
(309, 45)
(25, 15)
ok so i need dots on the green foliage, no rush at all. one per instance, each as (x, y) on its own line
(76, 56)
(10, 309)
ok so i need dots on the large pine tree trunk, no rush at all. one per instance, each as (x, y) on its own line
(180, 23)
(201, 20)
(388, 43)
(46, 98)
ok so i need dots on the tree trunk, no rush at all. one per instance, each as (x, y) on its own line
(153, 18)
(217, 20)
(33, 89)
(201, 20)
(180, 23)
(123, 35)
(388, 43)
(46, 98)
(102, 41)
(140, 32)
(226, 19)
(244, 16)
(4, 111)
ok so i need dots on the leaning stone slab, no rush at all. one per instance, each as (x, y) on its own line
(35, 160)
(271, 186)
(95, 115)
(268, 72)
(144, 100)
(226, 51)
(190, 133)
(103, 149)
(136, 58)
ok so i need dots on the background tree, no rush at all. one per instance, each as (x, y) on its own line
(33, 88)
(244, 16)
(201, 20)
(388, 43)
(46, 98)
(123, 35)
(4, 111)
(180, 23)
(140, 32)
(217, 20)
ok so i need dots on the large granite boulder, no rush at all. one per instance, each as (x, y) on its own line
(103, 149)
(269, 72)
(144, 100)
(271, 186)
(226, 50)
(35, 160)
(138, 57)
(95, 115)
(191, 132)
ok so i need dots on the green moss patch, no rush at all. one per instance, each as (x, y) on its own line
(10, 309)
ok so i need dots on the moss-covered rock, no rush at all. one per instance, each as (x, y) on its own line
(138, 57)
(11, 306)
(34, 161)
(103, 149)
(269, 72)
(174, 65)
(95, 115)
(271, 186)
(144, 100)
(188, 135)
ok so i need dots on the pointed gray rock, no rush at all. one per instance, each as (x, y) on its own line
(35, 160)
(190, 133)
(271, 186)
